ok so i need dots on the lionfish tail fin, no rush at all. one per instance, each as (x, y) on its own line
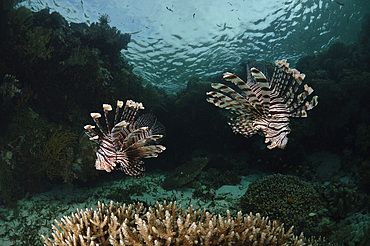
(136, 169)
(150, 151)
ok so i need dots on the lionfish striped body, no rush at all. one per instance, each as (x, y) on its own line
(130, 140)
(265, 106)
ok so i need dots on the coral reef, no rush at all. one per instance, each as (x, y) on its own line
(19, 156)
(286, 199)
(37, 44)
(9, 89)
(343, 199)
(166, 224)
(55, 73)
(66, 155)
(354, 230)
(362, 141)
(185, 173)
(55, 152)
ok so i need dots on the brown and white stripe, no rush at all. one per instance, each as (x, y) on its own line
(130, 140)
(265, 106)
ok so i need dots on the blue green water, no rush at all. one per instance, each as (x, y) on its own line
(175, 40)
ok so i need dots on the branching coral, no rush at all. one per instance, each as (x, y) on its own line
(166, 224)
(284, 198)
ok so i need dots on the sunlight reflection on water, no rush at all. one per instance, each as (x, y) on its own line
(173, 41)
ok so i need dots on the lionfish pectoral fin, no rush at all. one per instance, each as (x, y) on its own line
(132, 167)
(151, 150)
(145, 141)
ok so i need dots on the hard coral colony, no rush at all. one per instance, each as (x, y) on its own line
(265, 106)
(130, 140)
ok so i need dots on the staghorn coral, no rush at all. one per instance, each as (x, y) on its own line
(166, 224)
(284, 198)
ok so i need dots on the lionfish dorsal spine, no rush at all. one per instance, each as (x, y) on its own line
(91, 133)
(301, 111)
(302, 97)
(107, 108)
(297, 80)
(95, 117)
(280, 78)
(119, 106)
(262, 89)
(130, 110)
(249, 77)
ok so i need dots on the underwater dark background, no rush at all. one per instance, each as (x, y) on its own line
(53, 74)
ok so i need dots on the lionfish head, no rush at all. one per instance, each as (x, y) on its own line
(130, 140)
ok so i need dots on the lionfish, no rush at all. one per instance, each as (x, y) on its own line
(123, 146)
(264, 106)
